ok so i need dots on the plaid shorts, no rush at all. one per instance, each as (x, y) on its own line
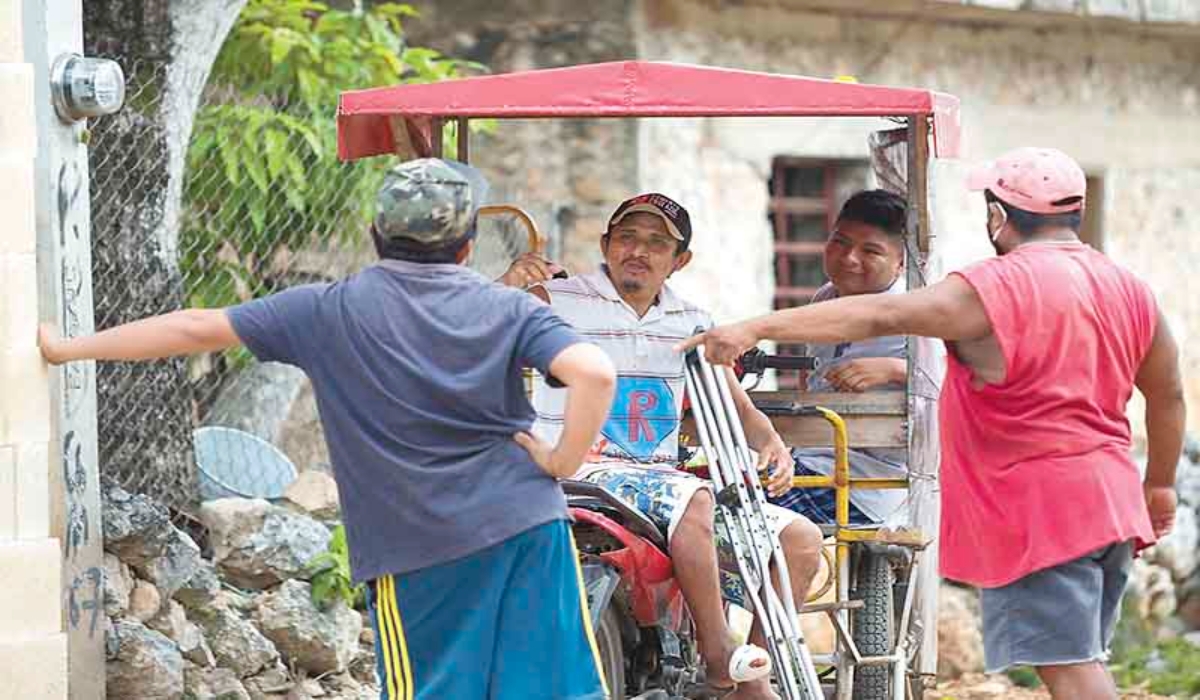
(662, 495)
(818, 505)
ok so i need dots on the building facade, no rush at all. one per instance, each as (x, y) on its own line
(1114, 83)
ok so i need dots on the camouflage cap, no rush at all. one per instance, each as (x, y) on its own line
(429, 203)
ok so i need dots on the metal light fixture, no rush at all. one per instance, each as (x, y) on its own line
(86, 87)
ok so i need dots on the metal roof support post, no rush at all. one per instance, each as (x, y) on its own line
(923, 371)
(464, 140)
(435, 136)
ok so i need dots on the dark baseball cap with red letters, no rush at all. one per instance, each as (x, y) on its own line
(679, 224)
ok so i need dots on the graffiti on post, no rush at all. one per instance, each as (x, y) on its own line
(70, 187)
(84, 580)
(75, 480)
(85, 598)
(74, 373)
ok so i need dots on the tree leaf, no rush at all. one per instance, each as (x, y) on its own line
(282, 41)
(322, 590)
(256, 168)
(275, 144)
(233, 169)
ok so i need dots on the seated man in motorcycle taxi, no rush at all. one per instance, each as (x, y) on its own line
(627, 309)
(864, 254)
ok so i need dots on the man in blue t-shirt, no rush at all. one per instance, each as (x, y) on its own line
(452, 509)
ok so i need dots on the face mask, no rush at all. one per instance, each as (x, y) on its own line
(993, 235)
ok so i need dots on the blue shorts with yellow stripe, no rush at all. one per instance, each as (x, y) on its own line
(509, 622)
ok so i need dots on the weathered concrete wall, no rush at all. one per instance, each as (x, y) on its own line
(1121, 96)
(1127, 108)
(725, 191)
(1153, 230)
(1154, 11)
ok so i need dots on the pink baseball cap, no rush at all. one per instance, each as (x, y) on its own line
(1038, 180)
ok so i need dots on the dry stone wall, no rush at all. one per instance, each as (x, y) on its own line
(240, 623)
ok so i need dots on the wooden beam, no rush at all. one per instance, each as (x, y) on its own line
(402, 143)
(923, 363)
(883, 403)
(873, 420)
(816, 206)
(812, 248)
(918, 182)
(865, 432)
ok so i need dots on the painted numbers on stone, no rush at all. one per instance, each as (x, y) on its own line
(85, 599)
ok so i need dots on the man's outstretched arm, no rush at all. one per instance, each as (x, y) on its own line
(185, 332)
(950, 310)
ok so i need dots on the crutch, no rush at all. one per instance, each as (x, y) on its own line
(740, 498)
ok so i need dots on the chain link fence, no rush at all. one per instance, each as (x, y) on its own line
(253, 202)
(242, 230)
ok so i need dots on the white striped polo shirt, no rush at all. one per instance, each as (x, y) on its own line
(643, 425)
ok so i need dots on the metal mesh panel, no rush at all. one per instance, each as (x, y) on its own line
(263, 205)
(237, 235)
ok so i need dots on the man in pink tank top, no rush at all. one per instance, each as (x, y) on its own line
(1042, 506)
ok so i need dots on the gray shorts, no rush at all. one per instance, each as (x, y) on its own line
(1061, 615)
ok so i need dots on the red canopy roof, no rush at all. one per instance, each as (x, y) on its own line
(626, 89)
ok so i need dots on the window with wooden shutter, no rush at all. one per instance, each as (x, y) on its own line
(805, 196)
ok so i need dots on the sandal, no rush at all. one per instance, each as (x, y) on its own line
(747, 663)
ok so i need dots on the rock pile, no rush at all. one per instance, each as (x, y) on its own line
(239, 626)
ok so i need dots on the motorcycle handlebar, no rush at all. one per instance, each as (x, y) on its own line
(790, 362)
(755, 361)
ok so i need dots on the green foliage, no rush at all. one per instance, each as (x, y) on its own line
(1024, 677)
(1168, 668)
(1141, 661)
(263, 179)
(332, 579)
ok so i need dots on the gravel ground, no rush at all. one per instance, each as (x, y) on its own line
(979, 687)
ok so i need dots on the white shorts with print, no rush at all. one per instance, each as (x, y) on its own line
(663, 495)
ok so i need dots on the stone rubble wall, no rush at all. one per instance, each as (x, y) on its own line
(239, 623)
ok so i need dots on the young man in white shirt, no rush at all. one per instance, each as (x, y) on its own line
(628, 310)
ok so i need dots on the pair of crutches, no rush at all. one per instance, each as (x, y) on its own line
(740, 499)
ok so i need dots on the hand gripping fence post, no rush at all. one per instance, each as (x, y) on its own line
(740, 499)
